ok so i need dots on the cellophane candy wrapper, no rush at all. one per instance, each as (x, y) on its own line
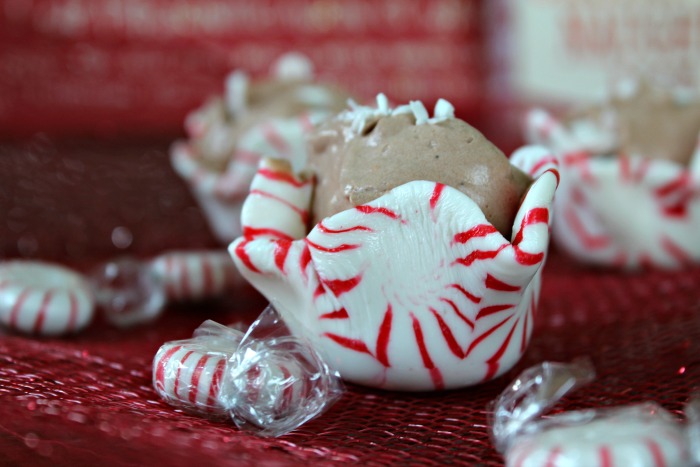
(132, 291)
(128, 291)
(636, 435)
(267, 381)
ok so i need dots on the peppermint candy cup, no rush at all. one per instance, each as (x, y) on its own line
(266, 381)
(415, 290)
(620, 210)
(219, 159)
(634, 436)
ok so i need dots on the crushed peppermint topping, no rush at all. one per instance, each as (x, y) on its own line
(236, 92)
(361, 116)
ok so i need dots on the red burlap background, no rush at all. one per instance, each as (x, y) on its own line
(87, 399)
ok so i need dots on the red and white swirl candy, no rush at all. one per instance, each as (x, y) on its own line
(270, 385)
(194, 275)
(188, 374)
(221, 193)
(448, 302)
(620, 211)
(43, 298)
(642, 436)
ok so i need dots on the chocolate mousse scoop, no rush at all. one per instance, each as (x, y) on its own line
(247, 103)
(363, 153)
(649, 122)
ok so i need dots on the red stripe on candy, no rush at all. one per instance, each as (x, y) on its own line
(486, 334)
(216, 382)
(17, 308)
(656, 452)
(319, 291)
(179, 370)
(674, 185)
(425, 356)
(552, 457)
(458, 312)
(454, 347)
(274, 138)
(162, 363)
(243, 256)
(533, 216)
(304, 259)
(490, 310)
(283, 177)
(341, 286)
(384, 337)
(252, 232)
(352, 344)
(467, 294)
(481, 230)
(496, 284)
(281, 251)
(365, 209)
(196, 374)
(493, 361)
(673, 249)
(335, 249)
(336, 314)
(588, 240)
(327, 230)
(39, 322)
(605, 456)
(435, 197)
(549, 159)
(479, 255)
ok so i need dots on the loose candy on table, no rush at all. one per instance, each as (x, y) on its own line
(638, 435)
(132, 291)
(269, 385)
(195, 275)
(188, 373)
(128, 291)
(43, 298)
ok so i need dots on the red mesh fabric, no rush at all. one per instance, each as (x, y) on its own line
(87, 399)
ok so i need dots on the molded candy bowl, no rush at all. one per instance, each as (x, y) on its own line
(229, 135)
(415, 290)
(620, 210)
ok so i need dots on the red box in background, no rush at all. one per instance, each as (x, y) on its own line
(135, 67)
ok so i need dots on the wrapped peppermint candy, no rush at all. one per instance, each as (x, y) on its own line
(49, 299)
(638, 435)
(132, 291)
(267, 381)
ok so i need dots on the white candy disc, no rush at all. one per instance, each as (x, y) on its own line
(188, 375)
(614, 442)
(42, 298)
